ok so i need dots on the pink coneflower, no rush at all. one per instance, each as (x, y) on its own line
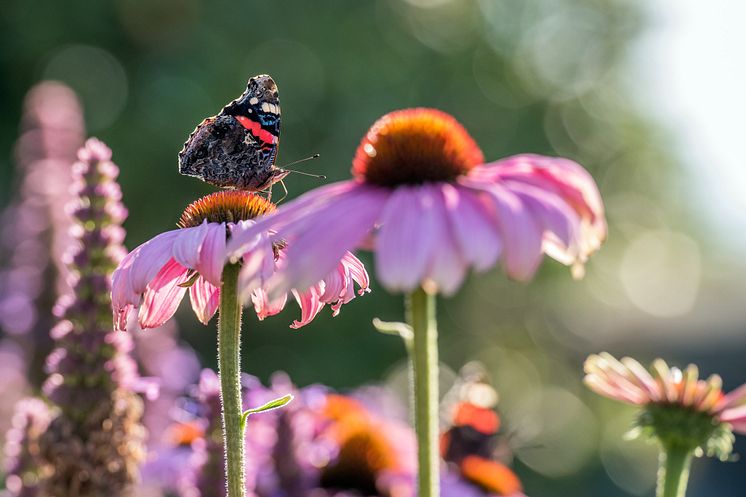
(626, 380)
(687, 415)
(423, 199)
(156, 275)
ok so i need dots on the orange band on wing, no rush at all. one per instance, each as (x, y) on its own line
(256, 129)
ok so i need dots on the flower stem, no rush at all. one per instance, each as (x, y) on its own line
(229, 366)
(673, 470)
(424, 359)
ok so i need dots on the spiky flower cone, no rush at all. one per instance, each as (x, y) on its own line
(94, 445)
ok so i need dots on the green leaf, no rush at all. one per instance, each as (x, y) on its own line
(394, 328)
(269, 406)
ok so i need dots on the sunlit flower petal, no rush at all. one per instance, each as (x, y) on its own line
(163, 295)
(205, 299)
(155, 275)
(430, 212)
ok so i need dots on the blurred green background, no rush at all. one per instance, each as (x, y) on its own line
(549, 77)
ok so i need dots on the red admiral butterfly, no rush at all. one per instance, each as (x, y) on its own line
(472, 441)
(237, 147)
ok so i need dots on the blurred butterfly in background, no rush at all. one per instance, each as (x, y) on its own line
(472, 441)
(237, 148)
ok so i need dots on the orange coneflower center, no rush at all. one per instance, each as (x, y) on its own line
(414, 146)
(228, 206)
(364, 451)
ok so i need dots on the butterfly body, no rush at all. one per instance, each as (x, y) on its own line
(237, 148)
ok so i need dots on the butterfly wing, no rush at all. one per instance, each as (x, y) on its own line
(237, 148)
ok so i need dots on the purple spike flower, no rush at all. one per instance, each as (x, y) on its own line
(51, 131)
(94, 445)
(22, 462)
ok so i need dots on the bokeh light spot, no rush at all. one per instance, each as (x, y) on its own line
(660, 272)
(96, 76)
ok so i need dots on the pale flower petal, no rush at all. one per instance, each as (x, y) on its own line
(205, 299)
(212, 256)
(405, 239)
(310, 304)
(521, 235)
(188, 244)
(265, 307)
(163, 295)
(736, 417)
(475, 232)
(149, 258)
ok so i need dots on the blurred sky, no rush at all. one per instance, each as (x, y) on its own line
(694, 63)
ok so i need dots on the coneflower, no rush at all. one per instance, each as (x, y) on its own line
(95, 442)
(687, 415)
(423, 199)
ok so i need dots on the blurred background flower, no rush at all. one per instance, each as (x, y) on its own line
(648, 97)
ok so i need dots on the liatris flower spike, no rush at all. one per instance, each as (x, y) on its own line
(687, 415)
(95, 443)
(156, 275)
(422, 198)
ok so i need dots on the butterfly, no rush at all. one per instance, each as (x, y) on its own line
(237, 148)
(472, 442)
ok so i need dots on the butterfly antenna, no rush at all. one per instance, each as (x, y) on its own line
(285, 189)
(314, 156)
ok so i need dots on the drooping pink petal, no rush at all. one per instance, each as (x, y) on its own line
(240, 231)
(736, 416)
(733, 399)
(336, 285)
(149, 258)
(475, 233)
(188, 244)
(264, 306)
(163, 295)
(446, 264)
(406, 238)
(339, 285)
(121, 313)
(357, 272)
(521, 236)
(642, 378)
(310, 304)
(259, 265)
(123, 299)
(318, 243)
(289, 216)
(602, 387)
(212, 254)
(205, 299)
(560, 224)
(566, 178)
